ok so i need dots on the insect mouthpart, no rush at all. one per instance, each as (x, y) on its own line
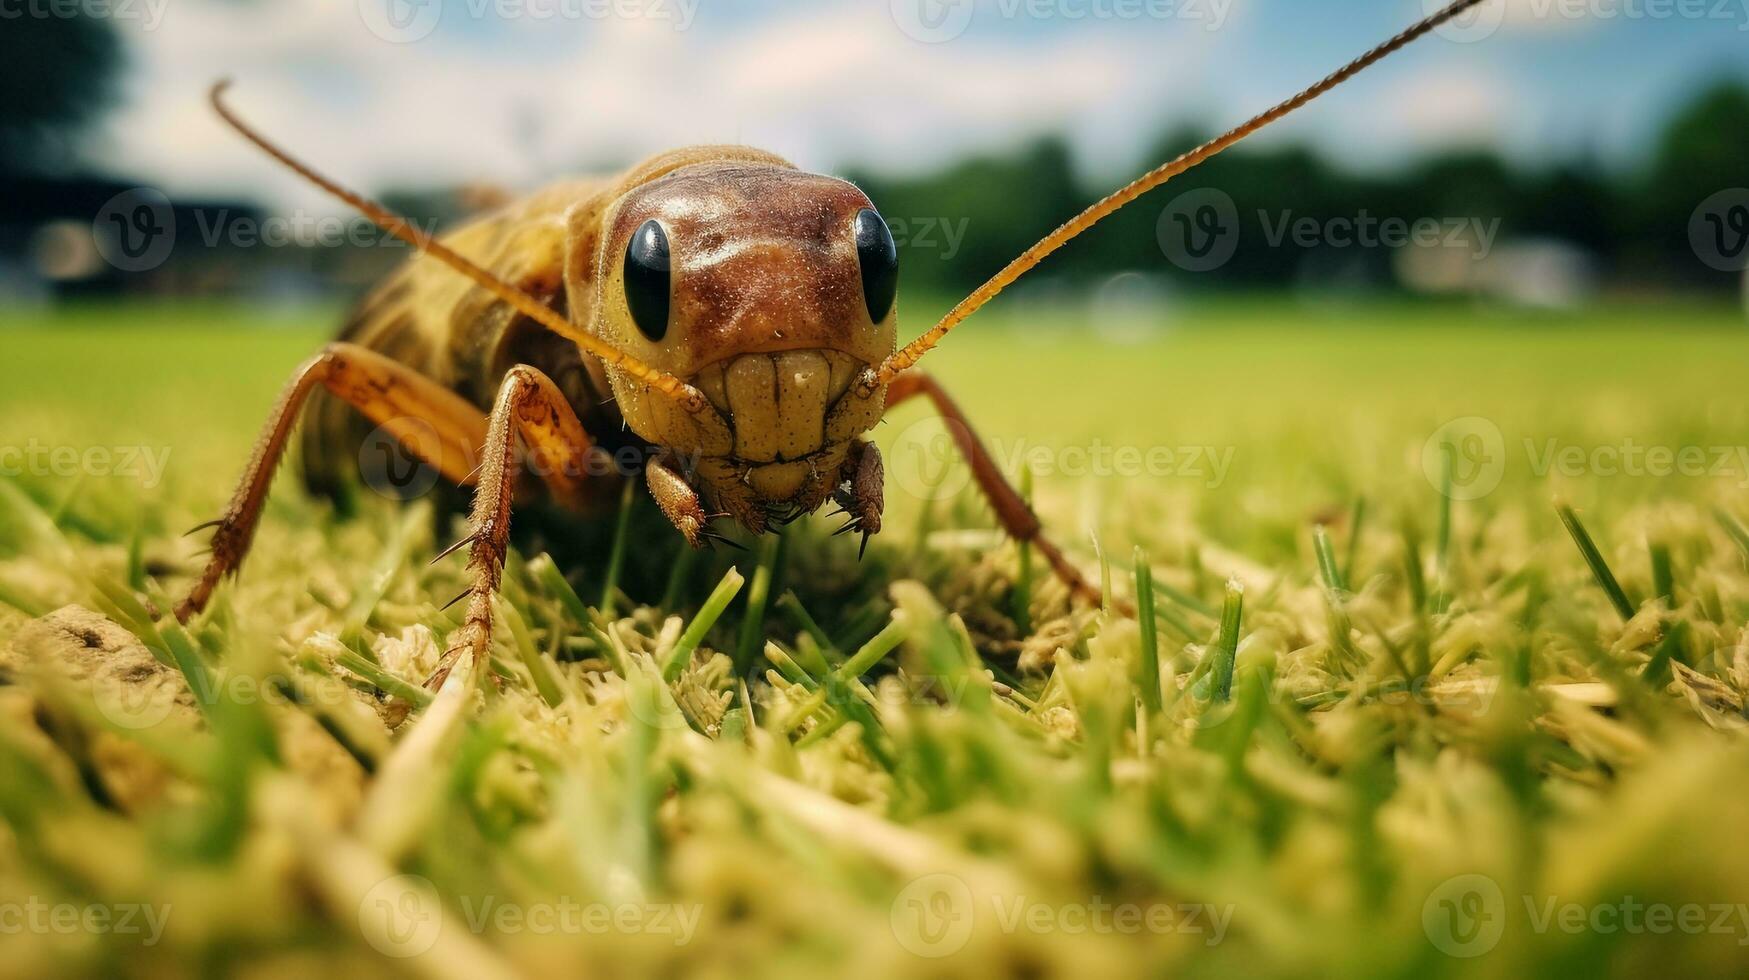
(778, 404)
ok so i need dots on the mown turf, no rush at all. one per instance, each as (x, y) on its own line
(1386, 730)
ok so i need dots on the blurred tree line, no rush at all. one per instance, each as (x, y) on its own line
(960, 224)
(1635, 226)
(57, 74)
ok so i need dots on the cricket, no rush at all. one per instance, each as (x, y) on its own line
(880, 488)
(734, 314)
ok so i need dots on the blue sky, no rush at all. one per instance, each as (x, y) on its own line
(517, 91)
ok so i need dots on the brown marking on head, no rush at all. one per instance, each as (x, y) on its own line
(764, 259)
(764, 281)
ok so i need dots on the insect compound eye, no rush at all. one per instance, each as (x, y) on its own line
(879, 260)
(646, 279)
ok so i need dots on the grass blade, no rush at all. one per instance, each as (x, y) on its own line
(1150, 673)
(701, 624)
(752, 633)
(1356, 520)
(1227, 645)
(616, 557)
(1734, 530)
(545, 683)
(384, 681)
(1594, 558)
(1327, 568)
(1663, 579)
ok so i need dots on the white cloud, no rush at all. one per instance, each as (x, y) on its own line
(824, 87)
(1443, 105)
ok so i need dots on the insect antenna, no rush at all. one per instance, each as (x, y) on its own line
(406, 231)
(909, 354)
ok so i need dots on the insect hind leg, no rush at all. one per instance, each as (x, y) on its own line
(1011, 509)
(411, 407)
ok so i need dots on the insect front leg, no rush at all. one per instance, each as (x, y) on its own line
(531, 406)
(406, 403)
(861, 493)
(1011, 509)
(681, 504)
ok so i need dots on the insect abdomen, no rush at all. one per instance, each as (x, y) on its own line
(457, 333)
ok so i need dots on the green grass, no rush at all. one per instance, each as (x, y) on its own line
(1370, 728)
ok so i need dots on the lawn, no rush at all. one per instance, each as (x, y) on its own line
(1388, 717)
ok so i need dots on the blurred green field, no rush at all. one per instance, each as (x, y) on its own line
(1308, 406)
(1393, 723)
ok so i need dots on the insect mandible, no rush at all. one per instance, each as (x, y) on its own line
(735, 315)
